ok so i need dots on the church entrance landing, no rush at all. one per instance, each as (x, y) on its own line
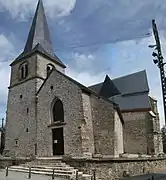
(58, 141)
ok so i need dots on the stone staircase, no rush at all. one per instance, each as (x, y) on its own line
(61, 170)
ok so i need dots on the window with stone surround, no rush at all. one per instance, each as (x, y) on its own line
(23, 71)
(49, 68)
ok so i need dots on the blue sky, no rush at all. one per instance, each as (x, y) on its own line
(93, 38)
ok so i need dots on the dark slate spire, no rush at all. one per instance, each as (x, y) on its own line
(39, 32)
(39, 36)
(108, 88)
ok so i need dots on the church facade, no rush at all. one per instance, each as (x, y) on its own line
(49, 113)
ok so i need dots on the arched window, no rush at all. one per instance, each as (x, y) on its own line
(23, 71)
(58, 112)
(49, 68)
(26, 70)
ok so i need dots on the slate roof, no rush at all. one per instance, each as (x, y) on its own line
(137, 101)
(108, 89)
(96, 87)
(39, 36)
(132, 83)
(133, 91)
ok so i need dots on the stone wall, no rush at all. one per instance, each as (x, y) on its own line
(41, 69)
(103, 126)
(157, 137)
(137, 131)
(20, 119)
(14, 80)
(20, 135)
(118, 130)
(8, 161)
(42, 63)
(71, 96)
(141, 133)
(87, 133)
(113, 169)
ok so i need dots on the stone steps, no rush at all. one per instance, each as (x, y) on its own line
(49, 170)
(61, 170)
(65, 176)
(46, 164)
(65, 168)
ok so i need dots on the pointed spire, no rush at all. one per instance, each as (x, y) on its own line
(39, 36)
(39, 32)
(108, 88)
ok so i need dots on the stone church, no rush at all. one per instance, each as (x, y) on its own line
(49, 113)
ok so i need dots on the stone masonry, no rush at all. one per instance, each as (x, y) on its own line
(71, 96)
(21, 108)
(142, 131)
(115, 168)
(98, 129)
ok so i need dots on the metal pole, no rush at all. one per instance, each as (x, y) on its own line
(160, 65)
(53, 174)
(94, 174)
(77, 175)
(2, 137)
(29, 175)
(7, 171)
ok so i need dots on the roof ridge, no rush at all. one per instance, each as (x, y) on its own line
(129, 74)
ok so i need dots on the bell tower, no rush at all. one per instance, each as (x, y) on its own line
(28, 72)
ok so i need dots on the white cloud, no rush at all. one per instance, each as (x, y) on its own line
(24, 8)
(6, 47)
(83, 61)
(7, 50)
(85, 78)
(4, 79)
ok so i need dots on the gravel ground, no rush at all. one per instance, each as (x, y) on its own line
(23, 176)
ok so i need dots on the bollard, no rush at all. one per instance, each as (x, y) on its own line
(29, 175)
(77, 175)
(94, 174)
(53, 174)
(7, 171)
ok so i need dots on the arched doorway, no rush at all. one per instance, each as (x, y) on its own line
(57, 132)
